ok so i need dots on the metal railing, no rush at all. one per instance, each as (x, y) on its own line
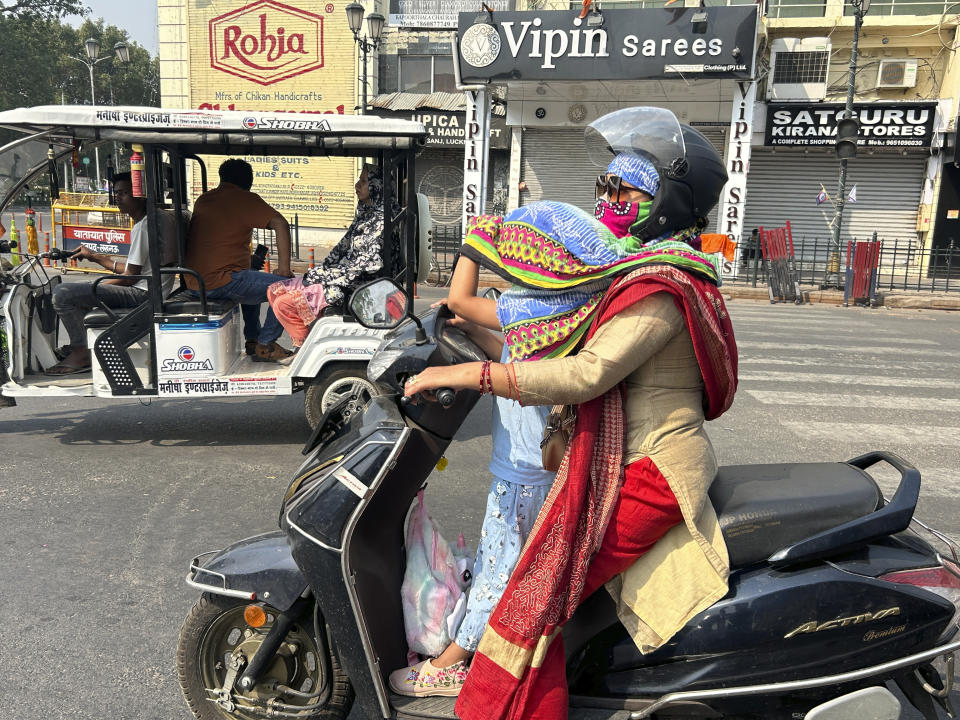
(905, 7)
(904, 265)
(446, 246)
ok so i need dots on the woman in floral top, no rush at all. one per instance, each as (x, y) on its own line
(358, 257)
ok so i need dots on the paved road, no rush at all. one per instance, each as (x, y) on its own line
(102, 503)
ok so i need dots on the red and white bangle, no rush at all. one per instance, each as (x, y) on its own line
(486, 384)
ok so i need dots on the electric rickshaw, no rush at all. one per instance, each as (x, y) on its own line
(183, 346)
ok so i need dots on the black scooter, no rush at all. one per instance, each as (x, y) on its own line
(836, 594)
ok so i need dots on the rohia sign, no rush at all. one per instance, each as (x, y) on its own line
(716, 42)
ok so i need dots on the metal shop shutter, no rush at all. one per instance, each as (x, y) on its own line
(555, 166)
(718, 137)
(784, 186)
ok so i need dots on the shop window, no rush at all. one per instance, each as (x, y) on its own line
(903, 7)
(796, 8)
(627, 4)
(426, 74)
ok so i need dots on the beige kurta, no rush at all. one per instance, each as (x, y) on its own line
(648, 345)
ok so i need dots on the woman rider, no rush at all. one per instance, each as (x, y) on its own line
(520, 484)
(659, 357)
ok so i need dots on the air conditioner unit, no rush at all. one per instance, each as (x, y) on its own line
(897, 74)
(798, 69)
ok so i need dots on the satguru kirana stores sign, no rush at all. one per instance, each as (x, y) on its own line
(881, 124)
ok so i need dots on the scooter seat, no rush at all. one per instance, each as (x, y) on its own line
(763, 508)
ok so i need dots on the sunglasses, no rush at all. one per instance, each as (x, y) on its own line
(611, 185)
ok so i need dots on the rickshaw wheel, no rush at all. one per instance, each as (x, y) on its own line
(333, 384)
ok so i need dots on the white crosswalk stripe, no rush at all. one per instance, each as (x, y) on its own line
(788, 334)
(862, 380)
(865, 433)
(849, 400)
(945, 368)
(746, 346)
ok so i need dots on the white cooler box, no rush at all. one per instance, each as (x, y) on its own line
(196, 350)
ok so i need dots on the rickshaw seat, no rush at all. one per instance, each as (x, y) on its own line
(100, 319)
(183, 303)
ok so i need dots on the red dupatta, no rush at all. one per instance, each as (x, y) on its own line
(517, 661)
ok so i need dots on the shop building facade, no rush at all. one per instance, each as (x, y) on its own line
(906, 97)
(269, 58)
(786, 83)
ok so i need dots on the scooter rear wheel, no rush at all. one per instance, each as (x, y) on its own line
(215, 630)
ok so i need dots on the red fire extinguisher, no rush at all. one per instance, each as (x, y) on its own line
(136, 172)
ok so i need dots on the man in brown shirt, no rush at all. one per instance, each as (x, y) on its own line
(219, 249)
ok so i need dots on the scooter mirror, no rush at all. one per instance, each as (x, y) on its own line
(380, 304)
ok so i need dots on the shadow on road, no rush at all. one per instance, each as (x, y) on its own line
(274, 421)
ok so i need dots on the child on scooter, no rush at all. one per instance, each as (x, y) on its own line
(519, 487)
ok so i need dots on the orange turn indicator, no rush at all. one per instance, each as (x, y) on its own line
(254, 616)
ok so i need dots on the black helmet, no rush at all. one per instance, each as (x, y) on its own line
(691, 171)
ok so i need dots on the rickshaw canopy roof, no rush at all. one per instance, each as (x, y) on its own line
(219, 132)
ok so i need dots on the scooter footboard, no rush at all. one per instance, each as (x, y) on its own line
(257, 568)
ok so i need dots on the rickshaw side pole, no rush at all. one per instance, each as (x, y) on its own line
(154, 288)
(413, 244)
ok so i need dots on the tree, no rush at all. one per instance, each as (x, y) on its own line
(40, 66)
(116, 84)
(46, 9)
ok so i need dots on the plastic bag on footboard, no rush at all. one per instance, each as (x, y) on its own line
(432, 585)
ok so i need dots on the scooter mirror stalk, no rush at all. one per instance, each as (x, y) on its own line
(382, 304)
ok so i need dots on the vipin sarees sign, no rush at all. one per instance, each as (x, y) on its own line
(676, 43)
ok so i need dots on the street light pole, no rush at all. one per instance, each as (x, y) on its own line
(91, 47)
(367, 44)
(93, 101)
(845, 148)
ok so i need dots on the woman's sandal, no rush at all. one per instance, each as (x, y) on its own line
(425, 680)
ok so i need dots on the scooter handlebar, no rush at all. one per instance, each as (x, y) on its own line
(445, 396)
(57, 254)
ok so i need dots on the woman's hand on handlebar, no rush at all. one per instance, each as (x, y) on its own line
(424, 383)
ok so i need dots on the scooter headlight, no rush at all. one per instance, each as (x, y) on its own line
(379, 364)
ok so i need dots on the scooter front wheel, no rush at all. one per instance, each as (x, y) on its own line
(216, 641)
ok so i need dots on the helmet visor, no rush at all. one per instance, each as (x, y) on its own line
(650, 132)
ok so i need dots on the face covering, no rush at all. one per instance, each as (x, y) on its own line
(619, 217)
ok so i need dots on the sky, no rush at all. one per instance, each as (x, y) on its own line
(137, 17)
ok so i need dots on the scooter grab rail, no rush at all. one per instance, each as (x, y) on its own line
(892, 518)
(796, 685)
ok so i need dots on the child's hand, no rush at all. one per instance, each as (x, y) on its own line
(438, 303)
(463, 324)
